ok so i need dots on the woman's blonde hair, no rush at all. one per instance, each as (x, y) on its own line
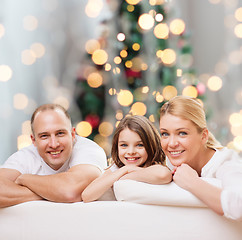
(149, 136)
(190, 109)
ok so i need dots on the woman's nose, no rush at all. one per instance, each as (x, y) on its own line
(173, 142)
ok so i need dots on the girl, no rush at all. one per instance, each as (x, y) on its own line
(193, 151)
(136, 154)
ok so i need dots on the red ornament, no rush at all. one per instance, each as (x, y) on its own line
(93, 119)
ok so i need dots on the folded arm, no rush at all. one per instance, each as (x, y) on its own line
(187, 178)
(10, 192)
(101, 184)
(155, 174)
(61, 187)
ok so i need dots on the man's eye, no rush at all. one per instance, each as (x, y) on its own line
(43, 136)
(60, 133)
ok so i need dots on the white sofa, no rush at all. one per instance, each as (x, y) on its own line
(142, 212)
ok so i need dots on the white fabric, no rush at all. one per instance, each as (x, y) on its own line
(85, 151)
(113, 220)
(167, 194)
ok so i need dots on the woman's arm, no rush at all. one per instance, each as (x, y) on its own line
(187, 178)
(155, 174)
(101, 184)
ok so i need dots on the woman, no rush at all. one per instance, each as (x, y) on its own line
(194, 152)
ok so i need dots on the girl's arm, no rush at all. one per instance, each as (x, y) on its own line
(155, 174)
(101, 184)
(187, 178)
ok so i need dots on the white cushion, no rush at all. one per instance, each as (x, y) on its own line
(167, 194)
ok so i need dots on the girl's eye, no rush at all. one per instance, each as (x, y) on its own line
(123, 145)
(140, 145)
(164, 134)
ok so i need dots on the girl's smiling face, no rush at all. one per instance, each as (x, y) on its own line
(131, 149)
(181, 141)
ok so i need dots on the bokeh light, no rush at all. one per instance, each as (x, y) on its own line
(168, 56)
(23, 141)
(177, 26)
(2, 30)
(169, 92)
(5, 73)
(63, 101)
(146, 21)
(30, 23)
(190, 91)
(138, 108)
(133, 2)
(99, 57)
(121, 37)
(26, 128)
(105, 129)
(38, 49)
(95, 80)
(125, 97)
(83, 129)
(161, 31)
(93, 8)
(238, 30)
(214, 83)
(20, 101)
(238, 14)
(92, 45)
(28, 57)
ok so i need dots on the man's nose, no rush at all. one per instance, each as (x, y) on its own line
(54, 142)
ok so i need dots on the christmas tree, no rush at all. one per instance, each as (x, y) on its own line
(142, 59)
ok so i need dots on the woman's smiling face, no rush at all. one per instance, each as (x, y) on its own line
(180, 140)
(131, 149)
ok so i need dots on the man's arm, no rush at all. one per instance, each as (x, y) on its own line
(61, 187)
(10, 192)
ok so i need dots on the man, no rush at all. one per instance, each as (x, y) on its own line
(56, 167)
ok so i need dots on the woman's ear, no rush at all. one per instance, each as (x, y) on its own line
(205, 134)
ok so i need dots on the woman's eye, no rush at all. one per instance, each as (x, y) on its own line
(182, 133)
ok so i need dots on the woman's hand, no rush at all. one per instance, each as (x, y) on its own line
(184, 176)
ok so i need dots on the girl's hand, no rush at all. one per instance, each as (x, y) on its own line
(184, 176)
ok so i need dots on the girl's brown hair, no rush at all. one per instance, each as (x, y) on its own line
(190, 109)
(149, 136)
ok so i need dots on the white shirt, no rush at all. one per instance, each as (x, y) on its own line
(85, 151)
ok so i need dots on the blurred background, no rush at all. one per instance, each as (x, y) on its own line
(102, 59)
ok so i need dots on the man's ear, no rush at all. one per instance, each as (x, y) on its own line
(73, 133)
(32, 138)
